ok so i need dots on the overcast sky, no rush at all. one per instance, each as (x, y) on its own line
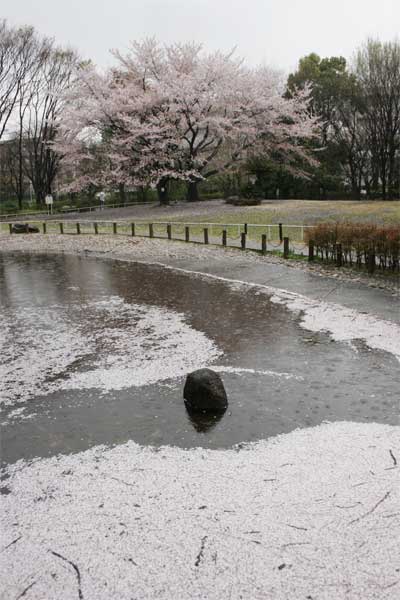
(273, 32)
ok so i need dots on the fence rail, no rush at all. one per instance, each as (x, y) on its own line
(273, 231)
(43, 213)
(105, 206)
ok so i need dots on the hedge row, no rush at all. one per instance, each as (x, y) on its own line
(357, 243)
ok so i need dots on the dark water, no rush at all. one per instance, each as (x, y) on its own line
(339, 383)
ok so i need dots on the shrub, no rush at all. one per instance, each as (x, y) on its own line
(237, 201)
(358, 242)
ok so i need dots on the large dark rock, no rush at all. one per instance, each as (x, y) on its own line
(204, 393)
(24, 228)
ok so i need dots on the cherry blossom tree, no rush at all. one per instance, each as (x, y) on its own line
(176, 112)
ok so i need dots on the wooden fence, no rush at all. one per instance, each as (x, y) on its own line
(262, 238)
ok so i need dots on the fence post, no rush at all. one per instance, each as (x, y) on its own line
(311, 250)
(224, 237)
(169, 231)
(206, 235)
(151, 230)
(280, 232)
(78, 228)
(114, 228)
(10, 226)
(187, 234)
(338, 255)
(245, 228)
(61, 227)
(285, 247)
(133, 229)
(243, 241)
(371, 262)
(44, 228)
(263, 243)
(96, 228)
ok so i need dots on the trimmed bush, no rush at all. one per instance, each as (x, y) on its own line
(236, 201)
(358, 243)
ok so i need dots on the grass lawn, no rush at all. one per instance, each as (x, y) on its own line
(290, 212)
(307, 212)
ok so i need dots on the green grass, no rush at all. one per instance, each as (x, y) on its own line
(308, 212)
(296, 213)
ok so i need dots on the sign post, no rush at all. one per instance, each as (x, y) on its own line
(49, 203)
(102, 198)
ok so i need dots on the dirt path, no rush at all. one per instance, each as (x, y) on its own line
(294, 212)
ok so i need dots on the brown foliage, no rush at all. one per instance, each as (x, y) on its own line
(358, 242)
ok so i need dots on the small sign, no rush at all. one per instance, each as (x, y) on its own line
(49, 199)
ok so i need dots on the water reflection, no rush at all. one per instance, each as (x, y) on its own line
(203, 423)
(338, 383)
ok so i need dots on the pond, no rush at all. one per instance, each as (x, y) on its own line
(96, 352)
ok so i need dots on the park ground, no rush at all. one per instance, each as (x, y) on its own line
(219, 215)
(291, 212)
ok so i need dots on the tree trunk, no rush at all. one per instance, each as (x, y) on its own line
(40, 197)
(391, 176)
(39, 191)
(122, 193)
(193, 192)
(375, 179)
(384, 183)
(142, 194)
(162, 191)
(355, 189)
(20, 184)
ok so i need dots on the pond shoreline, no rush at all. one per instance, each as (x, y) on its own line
(171, 252)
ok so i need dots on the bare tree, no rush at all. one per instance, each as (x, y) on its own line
(41, 49)
(347, 128)
(377, 69)
(11, 160)
(17, 59)
(34, 73)
(41, 116)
